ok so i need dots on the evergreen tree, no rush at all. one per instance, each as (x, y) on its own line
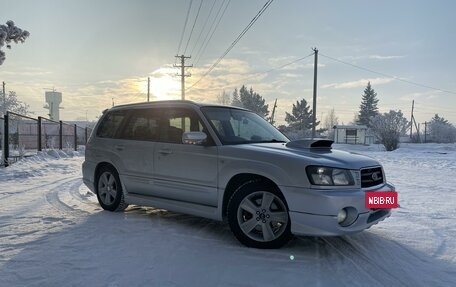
(248, 99)
(10, 33)
(368, 107)
(438, 119)
(300, 118)
(253, 101)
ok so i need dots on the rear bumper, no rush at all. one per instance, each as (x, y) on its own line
(88, 175)
(314, 212)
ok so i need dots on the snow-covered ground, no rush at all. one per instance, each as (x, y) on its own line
(53, 233)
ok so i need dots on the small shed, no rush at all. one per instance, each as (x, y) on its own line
(351, 134)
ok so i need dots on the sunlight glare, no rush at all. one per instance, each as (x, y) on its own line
(163, 85)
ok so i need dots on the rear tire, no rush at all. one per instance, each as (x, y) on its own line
(109, 190)
(258, 216)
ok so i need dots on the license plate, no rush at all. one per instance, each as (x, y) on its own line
(381, 199)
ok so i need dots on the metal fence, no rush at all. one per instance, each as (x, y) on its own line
(25, 136)
(1, 137)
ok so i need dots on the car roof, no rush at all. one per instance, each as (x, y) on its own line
(168, 103)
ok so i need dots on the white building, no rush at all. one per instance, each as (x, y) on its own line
(352, 134)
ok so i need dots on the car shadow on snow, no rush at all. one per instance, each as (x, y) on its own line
(154, 247)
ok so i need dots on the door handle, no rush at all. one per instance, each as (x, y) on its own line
(119, 147)
(165, 151)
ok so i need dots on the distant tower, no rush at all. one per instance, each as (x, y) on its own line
(53, 101)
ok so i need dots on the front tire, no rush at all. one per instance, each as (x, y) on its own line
(109, 190)
(258, 216)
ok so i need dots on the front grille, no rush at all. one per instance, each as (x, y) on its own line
(371, 177)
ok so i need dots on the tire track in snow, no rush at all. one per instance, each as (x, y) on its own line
(368, 264)
(52, 197)
(26, 224)
(67, 199)
(26, 202)
(7, 194)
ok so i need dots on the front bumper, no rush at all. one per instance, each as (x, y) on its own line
(314, 212)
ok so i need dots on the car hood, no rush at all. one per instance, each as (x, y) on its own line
(283, 152)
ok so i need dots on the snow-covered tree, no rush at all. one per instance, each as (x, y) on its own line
(330, 121)
(441, 131)
(10, 33)
(223, 98)
(388, 128)
(12, 104)
(368, 107)
(235, 100)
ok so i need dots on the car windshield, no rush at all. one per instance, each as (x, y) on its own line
(236, 126)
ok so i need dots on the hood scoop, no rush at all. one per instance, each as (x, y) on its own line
(315, 143)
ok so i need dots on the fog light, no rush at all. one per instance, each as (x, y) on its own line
(342, 215)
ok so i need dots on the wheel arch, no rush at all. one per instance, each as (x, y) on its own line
(240, 179)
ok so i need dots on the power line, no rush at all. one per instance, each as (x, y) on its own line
(389, 76)
(290, 63)
(265, 6)
(203, 28)
(193, 26)
(185, 26)
(213, 29)
(254, 74)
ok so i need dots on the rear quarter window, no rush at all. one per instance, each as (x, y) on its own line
(110, 124)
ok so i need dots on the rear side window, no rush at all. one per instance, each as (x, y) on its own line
(142, 125)
(110, 124)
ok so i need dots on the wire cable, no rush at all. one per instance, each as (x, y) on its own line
(185, 27)
(193, 27)
(213, 29)
(389, 76)
(204, 28)
(290, 63)
(277, 68)
(265, 6)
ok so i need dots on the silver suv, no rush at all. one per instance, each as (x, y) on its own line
(228, 163)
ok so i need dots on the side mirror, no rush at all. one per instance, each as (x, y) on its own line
(194, 138)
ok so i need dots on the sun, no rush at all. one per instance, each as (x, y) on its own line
(164, 85)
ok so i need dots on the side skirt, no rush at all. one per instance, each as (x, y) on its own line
(175, 206)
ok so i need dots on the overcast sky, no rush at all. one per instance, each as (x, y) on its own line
(97, 52)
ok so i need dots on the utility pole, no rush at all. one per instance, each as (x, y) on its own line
(411, 119)
(271, 120)
(4, 100)
(314, 111)
(413, 122)
(2, 129)
(148, 89)
(417, 130)
(425, 132)
(182, 74)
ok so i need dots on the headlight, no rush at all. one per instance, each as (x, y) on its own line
(319, 175)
